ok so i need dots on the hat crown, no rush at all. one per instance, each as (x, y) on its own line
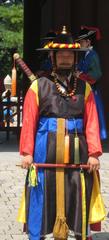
(91, 33)
(64, 37)
(87, 33)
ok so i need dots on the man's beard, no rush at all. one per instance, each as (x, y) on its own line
(63, 72)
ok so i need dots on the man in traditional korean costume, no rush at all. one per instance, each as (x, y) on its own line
(60, 126)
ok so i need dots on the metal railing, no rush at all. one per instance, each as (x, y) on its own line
(11, 120)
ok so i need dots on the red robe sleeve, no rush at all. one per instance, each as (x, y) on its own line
(85, 77)
(30, 120)
(91, 124)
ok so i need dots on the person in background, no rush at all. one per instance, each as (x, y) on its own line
(89, 70)
(5, 95)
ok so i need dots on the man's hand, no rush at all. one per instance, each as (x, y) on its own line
(27, 161)
(93, 163)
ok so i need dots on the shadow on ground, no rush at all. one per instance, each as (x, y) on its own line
(10, 145)
(105, 145)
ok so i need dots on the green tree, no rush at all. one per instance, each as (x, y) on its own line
(11, 35)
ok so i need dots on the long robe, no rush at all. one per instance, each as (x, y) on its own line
(43, 106)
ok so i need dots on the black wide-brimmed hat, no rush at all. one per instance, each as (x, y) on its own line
(88, 33)
(63, 41)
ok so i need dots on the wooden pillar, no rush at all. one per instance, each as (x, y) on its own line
(61, 14)
(32, 16)
(55, 14)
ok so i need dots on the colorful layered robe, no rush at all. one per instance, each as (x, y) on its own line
(43, 106)
(89, 65)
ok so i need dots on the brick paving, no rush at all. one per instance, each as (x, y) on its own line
(11, 185)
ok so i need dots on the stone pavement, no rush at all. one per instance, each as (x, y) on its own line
(12, 183)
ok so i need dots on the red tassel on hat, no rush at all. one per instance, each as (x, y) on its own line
(98, 33)
(14, 76)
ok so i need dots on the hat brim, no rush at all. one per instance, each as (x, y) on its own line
(60, 49)
(48, 38)
(85, 36)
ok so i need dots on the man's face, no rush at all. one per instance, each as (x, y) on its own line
(64, 59)
(85, 43)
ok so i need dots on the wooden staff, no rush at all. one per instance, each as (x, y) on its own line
(24, 67)
(52, 165)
